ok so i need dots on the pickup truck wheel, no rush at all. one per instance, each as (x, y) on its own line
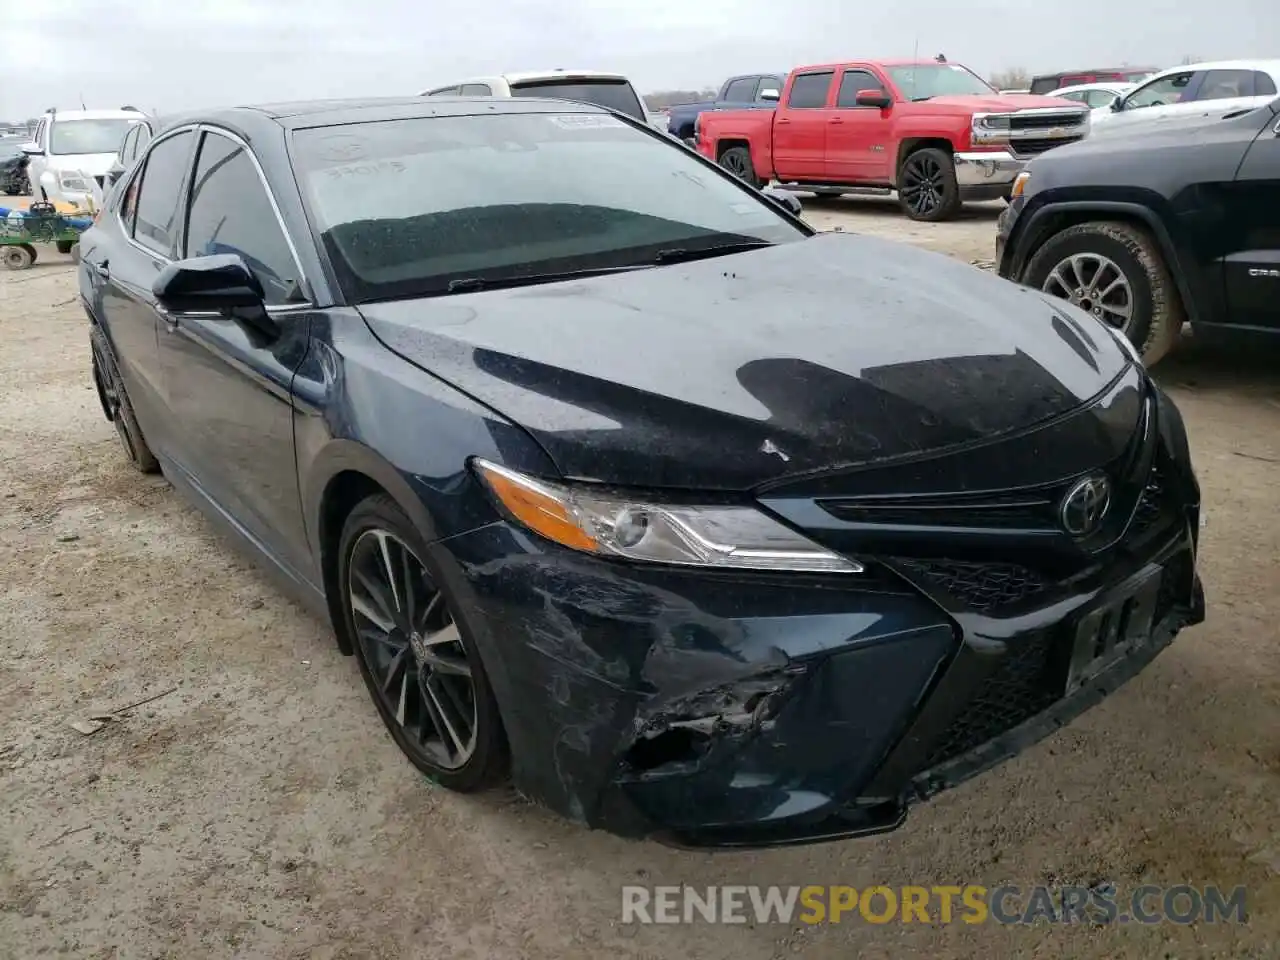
(927, 188)
(737, 160)
(1116, 272)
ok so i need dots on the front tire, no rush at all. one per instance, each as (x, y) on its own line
(737, 160)
(422, 669)
(927, 187)
(1115, 271)
(64, 246)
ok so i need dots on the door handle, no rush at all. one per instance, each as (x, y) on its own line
(101, 268)
(782, 120)
(836, 120)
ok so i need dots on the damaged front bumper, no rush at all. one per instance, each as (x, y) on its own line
(743, 711)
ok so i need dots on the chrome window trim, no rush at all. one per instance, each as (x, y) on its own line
(199, 127)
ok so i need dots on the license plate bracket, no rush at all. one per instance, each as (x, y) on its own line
(1113, 629)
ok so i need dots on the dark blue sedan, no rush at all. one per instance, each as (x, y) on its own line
(620, 481)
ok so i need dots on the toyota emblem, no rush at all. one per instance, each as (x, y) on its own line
(1085, 505)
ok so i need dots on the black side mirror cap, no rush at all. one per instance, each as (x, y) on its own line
(220, 283)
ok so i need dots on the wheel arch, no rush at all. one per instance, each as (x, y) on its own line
(910, 145)
(341, 477)
(1052, 218)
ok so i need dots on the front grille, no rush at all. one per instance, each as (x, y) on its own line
(1029, 511)
(1033, 146)
(983, 587)
(1044, 121)
(1027, 681)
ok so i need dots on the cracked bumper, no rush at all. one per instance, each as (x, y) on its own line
(732, 711)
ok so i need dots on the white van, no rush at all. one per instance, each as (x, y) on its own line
(610, 90)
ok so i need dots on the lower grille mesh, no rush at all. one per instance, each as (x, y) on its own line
(1025, 683)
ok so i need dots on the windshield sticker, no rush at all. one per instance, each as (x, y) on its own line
(584, 121)
(364, 169)
(341, 148)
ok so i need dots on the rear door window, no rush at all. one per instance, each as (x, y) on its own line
(475, 90)
(444, 92)
(157, 204)
(809, 90)
(1226, 85)
(741, 91)
(605, 92)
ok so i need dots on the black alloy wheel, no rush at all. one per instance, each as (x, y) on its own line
(737, 160)
(927, 188)
(423, 674)
(118, 409)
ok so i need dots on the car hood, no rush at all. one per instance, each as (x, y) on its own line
(735, 371)
(93, 164)
(996, 103)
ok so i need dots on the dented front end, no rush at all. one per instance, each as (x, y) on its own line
(709, 709)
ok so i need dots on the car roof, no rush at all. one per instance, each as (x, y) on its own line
(1266, 66)
(96, 115)
(1116, 85)
(327, 113)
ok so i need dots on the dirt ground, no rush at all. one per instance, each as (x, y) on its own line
(256, 808)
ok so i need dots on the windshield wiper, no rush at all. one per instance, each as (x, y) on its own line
(684, 254)
(470, 284)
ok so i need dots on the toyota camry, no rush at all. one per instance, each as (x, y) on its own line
(620, 481)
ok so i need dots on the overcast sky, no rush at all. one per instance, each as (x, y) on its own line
(178, 54)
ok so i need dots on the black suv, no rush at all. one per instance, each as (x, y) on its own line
(1149, 230)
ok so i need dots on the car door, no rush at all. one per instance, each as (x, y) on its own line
(800, 128)
(138, 242)
(1155, 100)
(227, 383)
(1252, 265)
(856, 135)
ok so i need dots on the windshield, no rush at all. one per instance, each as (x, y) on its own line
(923, 81)
(405, 207)
(88, 136)
(614, 94)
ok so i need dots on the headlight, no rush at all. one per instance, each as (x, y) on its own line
(990, 128)
(73, 182)
(608, 524)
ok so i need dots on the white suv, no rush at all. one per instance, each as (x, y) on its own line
(71, 148)
(610, 90)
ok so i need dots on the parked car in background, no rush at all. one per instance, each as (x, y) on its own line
(1020, 90)
(72, 147)
(617, 479)
(13, 169)
(611, 90)
(746, 91)
(132, 144)
(1095, 96)
(1215, 89)
(1157, 226)
(1046, 84)
(935, 132)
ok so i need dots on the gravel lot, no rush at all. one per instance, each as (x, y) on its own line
(257, 809)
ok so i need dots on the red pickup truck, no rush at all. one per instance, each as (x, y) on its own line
(935, 132)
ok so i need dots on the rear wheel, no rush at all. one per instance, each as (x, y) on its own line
(116, 405)
(18, 257)
(1116, 272)
(927, 188)
(422, 670)
(737, 160)
(64, 246)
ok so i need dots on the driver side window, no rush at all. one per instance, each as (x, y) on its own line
(1159, 93)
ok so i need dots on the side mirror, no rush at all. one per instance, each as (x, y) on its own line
(873, 98)
(1117, 104)
(787, 201)
(32, 149)
(770, 94)
(220, 283)
(114, 173)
